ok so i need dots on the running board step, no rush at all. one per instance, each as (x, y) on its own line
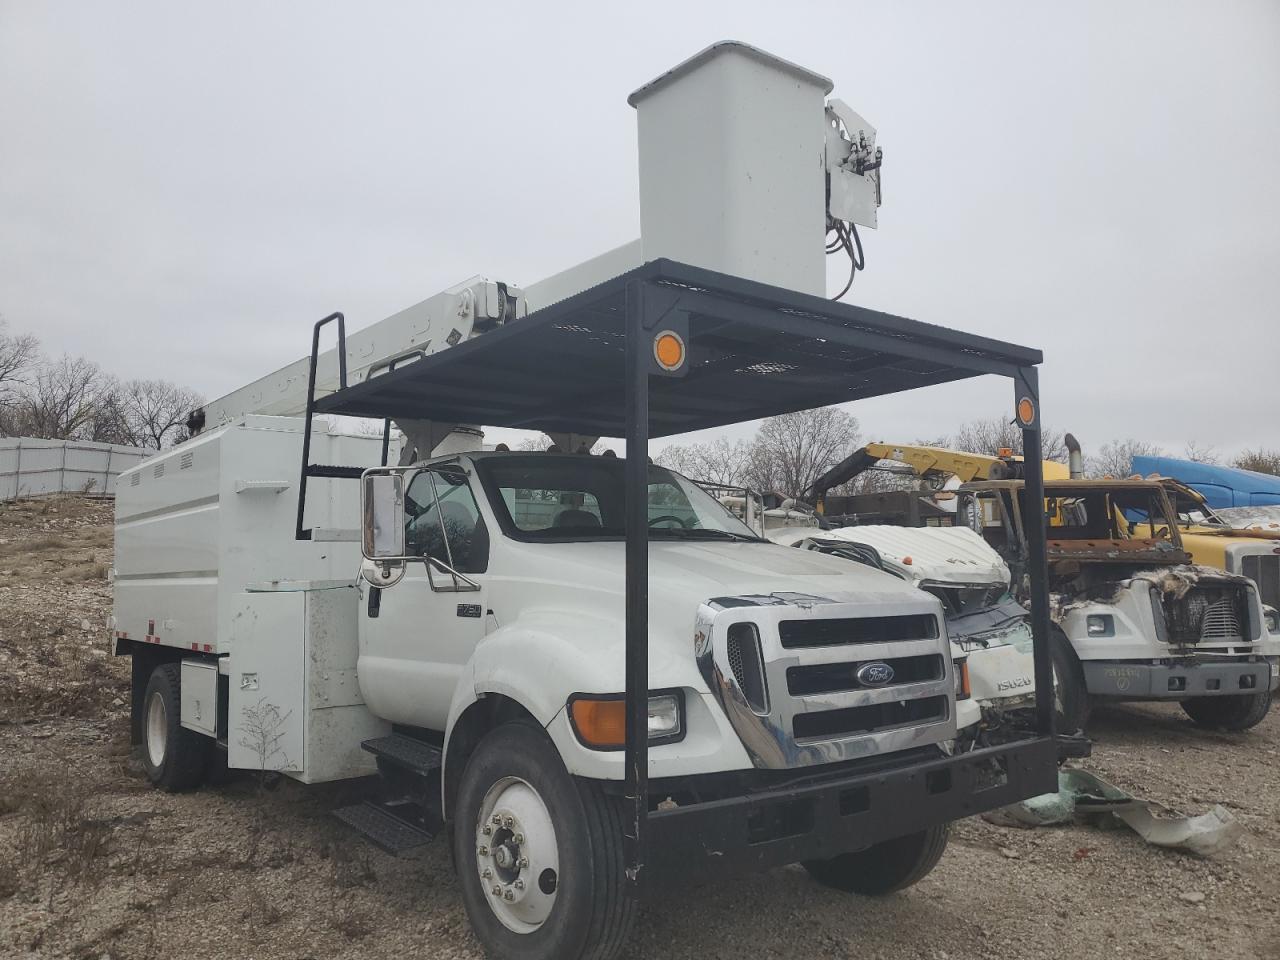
(416, 756)
(384, 828)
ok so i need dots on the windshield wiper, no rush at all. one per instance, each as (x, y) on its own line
(702, 533)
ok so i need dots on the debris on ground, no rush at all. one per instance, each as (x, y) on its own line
(1083, 797)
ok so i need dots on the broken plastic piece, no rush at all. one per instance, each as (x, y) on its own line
(1083, 797)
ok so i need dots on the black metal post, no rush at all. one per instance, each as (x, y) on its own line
(636, 495)
(299, 532)
(1027, 388)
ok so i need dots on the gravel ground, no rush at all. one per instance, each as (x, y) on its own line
(94, 863)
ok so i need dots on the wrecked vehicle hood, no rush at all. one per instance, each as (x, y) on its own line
(944, 555)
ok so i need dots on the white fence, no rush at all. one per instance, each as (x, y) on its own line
(32, 468)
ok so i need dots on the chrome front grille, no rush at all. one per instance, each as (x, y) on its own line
(804, 681)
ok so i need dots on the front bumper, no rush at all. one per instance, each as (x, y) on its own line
(819, 817)
(1149, 681)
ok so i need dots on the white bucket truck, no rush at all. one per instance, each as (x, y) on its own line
(597, 678)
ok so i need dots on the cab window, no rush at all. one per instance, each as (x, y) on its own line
(443, 521)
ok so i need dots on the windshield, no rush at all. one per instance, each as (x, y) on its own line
(577, 497)
(1106, 513)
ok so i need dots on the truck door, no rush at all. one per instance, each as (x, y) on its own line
(413, 650)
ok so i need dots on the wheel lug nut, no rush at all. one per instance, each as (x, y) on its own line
(497, 820)
(486, 874)
(496, 890)
(486, 830)
(508, 895)
(518, 838)
(506, 822)
(484, 851)
(522, 862)
(519, 884)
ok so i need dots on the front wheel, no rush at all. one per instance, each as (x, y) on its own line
(1236, 712)
(539, 853)
(1070, 696)
(885, 867)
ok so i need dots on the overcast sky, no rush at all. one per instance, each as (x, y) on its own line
(185, 188)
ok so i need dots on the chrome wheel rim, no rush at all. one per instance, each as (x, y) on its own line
(157, 729)
(516, 855)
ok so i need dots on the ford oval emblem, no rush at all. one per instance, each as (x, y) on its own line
(874, 674)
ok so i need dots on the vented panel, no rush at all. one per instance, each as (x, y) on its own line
(799, 634)
(1207, 612)
(860, 720)
(745, 665)
(1265, 572)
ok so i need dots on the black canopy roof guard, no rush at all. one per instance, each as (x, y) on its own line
(591, 365)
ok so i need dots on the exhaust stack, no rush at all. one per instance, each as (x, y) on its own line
(1075, 461)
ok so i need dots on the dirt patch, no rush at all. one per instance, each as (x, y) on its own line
(93, 862)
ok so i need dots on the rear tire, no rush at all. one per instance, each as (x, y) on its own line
(515, 771)
(1070, 696)
(885, 867)
(1237, 712)
(174, 756)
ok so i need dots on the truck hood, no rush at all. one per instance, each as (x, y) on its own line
(945, 555)
(707, 569)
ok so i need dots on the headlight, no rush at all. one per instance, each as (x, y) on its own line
(1100, 625)
(1272, 616)
(600, 720)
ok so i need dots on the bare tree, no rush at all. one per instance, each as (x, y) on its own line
(155, 410)
(1115, 459)
(1200, 452)
(1260, 461)
(60, 402)
(18, 355)
(792, 450)
(542, 442)
(719, 461)
(994, 434)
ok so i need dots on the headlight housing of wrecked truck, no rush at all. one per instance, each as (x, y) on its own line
(1157, 614)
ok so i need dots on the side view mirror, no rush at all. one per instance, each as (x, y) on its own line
(382, 516)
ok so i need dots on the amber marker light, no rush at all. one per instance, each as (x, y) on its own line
(668, 350)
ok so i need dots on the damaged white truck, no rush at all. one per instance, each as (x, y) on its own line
(1133, 618)
(990, 631)
(583, 669)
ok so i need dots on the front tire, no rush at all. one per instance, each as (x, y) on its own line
(885, 867)
(1237, 712)
(1070, 696)
(174, 756)
(553, 854)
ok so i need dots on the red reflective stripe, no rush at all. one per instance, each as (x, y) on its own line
(208, 648)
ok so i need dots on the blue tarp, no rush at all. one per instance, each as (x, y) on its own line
(1221, 486)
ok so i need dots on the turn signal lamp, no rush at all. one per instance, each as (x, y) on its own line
(963, 690)
(1026, 412)
(601, 721)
